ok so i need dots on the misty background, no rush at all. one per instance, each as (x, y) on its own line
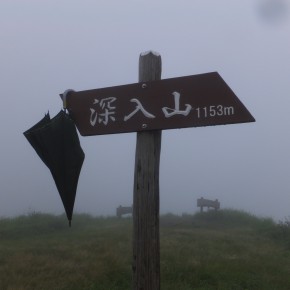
(50, 46)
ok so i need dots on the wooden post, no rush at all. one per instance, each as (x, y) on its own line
(146, 245)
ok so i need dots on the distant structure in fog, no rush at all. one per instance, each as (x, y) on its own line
(123, 210)
(202, 202)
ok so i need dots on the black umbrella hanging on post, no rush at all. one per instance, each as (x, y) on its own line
(57, 144)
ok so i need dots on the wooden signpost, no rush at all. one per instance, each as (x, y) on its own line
(146, 245)
(147, 108)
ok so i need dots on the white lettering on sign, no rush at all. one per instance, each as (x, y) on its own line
(104, 110)
(139, 107)
(107, 111)
(168, 112)
(213, 111)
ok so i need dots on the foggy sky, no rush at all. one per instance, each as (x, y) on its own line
(50, 46)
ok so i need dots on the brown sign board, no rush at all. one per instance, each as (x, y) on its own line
(190, 101)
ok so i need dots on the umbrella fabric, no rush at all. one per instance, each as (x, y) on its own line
(33, 140)
(57, 144)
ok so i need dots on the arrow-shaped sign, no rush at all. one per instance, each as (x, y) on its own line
(190, 101)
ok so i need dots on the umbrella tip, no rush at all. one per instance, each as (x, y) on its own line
(69, 223)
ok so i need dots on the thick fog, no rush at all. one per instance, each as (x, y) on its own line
(50, 46)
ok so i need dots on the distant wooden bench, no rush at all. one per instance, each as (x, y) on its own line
(123, 210)
(202, 202)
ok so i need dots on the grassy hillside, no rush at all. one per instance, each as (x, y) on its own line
(214, 250)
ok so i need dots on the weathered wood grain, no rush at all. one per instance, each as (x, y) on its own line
(146, 244)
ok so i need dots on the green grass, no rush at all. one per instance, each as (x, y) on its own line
(224, 250)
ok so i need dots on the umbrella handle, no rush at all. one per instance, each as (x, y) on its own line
(63, 96)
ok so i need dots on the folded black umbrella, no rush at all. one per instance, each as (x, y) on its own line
(34, 140)
(57, 144)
